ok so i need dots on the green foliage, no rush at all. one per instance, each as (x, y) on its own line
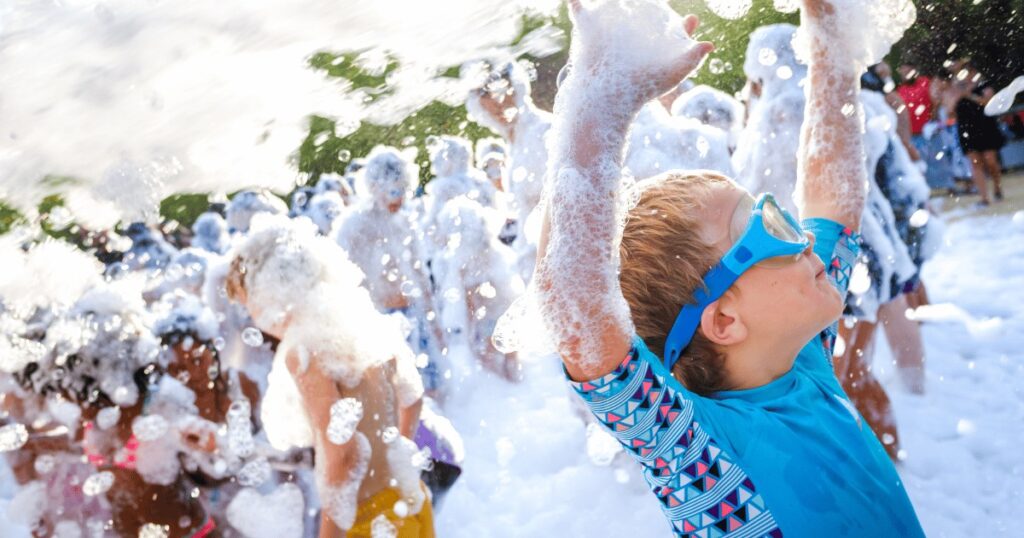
(184, 208)
(9, 218)
(724, 67)
(333, 153)
(346, 66)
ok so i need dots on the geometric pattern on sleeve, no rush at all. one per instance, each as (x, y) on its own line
(701, 490)
(844, 256)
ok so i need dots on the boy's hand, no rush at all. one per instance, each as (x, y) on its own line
(815, 10)
(616, 43)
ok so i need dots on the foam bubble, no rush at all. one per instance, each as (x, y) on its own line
(98, 483)
(252, 337)
(13, 437)
(345, 416)
(254, 473)
(154, 530)
(381, 527)
(729, 9)
(278, 514)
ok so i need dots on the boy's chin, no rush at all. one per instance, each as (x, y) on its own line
(832, 306)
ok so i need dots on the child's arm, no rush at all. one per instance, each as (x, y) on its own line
(831, 176)
(615, 69)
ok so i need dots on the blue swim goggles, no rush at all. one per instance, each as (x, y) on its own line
(772, 237)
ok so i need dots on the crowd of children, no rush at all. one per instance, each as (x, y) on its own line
(283, 369)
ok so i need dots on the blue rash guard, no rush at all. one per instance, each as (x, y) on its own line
(792, 458)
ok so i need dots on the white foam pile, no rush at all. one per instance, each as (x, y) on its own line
(345, 416)
(140, 100)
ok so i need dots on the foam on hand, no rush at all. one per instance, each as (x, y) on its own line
(616, 44)
(858, 33)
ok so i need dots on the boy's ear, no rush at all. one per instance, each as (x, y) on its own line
(722, 324)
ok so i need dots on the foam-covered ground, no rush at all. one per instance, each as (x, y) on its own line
(529, 471)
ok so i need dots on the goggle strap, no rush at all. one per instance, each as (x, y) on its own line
(716, 281)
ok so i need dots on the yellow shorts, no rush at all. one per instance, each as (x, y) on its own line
(419, 525)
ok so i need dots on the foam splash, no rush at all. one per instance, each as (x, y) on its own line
(860, 33)
(195, 96)
(1003, 99)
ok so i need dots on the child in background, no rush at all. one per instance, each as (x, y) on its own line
(343, 380)
(717, 381)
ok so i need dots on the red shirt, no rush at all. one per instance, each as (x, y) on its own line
(919, 102)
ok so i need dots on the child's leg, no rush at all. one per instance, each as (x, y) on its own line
(918, 297)
(904, 336)
(978, 175)
(991, 161)
(864, 390)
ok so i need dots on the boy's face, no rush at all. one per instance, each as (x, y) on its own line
(786, 302)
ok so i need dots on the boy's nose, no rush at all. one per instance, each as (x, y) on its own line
(810, 244)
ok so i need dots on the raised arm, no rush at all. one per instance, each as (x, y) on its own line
(831, 176)
(616, 65)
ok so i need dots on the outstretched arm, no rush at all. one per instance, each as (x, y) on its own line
(616, 67)
(831, 176)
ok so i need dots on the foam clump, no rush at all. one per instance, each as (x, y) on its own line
(98, 483)
(729, 9)
(345, 416)
(858, 33)
(246, 204)
(381, 527)
(340, 501)
(51, 274)
(254, 473)
(150, 427)
(210, 233)
(278, 514)
(13, 437)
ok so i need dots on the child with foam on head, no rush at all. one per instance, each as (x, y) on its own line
(700, 332)
(343, 380)
(382, 235)
(477, 281)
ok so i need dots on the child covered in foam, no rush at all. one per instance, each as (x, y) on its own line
(718, 382)
(451, 158)
(477, 281)
(343, 378)
(711, 107)
(503, 104)
(382, 235)
(660, 142)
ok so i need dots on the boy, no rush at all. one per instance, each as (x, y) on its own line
(345, 381)
(717, 381)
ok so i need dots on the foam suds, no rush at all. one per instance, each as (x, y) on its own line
(278, 514)
(608, 80)
(340, 500)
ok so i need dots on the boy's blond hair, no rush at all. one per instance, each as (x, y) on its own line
(664, 260)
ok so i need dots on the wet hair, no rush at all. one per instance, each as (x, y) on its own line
(663, 261)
